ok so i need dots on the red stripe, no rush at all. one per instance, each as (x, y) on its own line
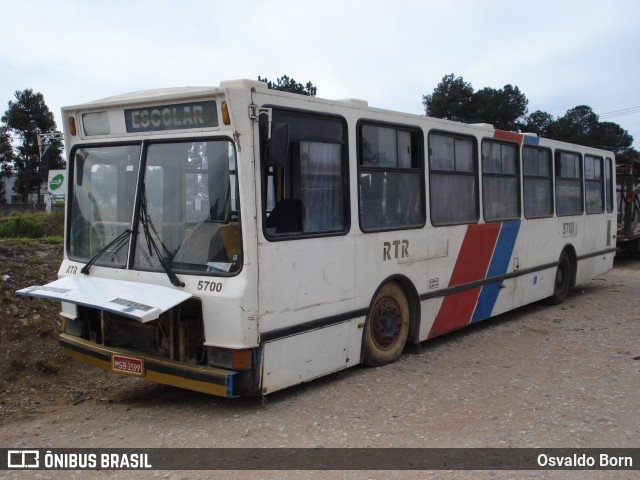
(508, 136)
(471, 265)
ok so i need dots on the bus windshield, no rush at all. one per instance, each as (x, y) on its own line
(187, 215)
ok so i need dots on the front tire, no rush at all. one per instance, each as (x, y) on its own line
(387, 326)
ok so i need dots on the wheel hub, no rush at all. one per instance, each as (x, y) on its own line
(387, 322)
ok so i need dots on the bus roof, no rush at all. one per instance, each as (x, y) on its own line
(144, 96)
(162, 94)
(182, 93)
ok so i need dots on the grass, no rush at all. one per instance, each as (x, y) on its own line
(30, 242)
(53, 239)
(32, 229)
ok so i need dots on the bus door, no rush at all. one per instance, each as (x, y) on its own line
(306, 261)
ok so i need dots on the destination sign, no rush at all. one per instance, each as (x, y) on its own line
(171, 117)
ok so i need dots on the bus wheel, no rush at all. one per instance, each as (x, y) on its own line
(387, 326)
(563, 280)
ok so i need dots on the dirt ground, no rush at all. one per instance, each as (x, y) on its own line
(542, 376)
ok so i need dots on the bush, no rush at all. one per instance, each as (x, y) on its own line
(52, 223)
(21, 226)
(32, 225)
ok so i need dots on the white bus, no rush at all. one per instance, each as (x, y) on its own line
(239, 240)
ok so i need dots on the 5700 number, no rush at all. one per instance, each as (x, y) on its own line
(569, 229)
(207, 286)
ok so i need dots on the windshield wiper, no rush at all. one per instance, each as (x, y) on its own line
(118, 242)
(151, 244)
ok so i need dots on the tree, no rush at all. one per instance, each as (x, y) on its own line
(611, 136)
(452, 99)
(630, 155)
(538, 122)
(26, 117)
(6, 160)
(505, 109)
(455, 99)
(576, 126)
(286, 84)
(582, 125)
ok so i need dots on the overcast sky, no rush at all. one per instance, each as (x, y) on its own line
(560, 54)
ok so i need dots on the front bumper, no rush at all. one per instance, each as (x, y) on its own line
(200, 378)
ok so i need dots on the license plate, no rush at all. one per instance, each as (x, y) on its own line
(132, 366)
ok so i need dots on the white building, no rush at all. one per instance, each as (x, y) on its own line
(10, 196)
(13, 198)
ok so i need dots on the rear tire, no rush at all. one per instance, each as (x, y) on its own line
(562, 281)
(387, 326)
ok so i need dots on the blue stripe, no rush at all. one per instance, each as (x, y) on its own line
(530, 140)
(498, 266)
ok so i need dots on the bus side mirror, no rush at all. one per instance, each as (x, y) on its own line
(278, 145)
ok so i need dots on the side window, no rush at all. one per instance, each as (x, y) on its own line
(453, 179)
(305, 190)
(608, 182)
(569, 197)
(594, 183)
(537, 182)
(391, 173)
(500, 181)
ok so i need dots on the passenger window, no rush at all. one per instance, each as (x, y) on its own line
(608, 180)
(594, 183)
(391, 177)
(453, 184)
(305, 192)
(500, 181)
(569, 199)
(537, 182)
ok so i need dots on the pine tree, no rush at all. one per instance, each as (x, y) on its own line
(25, 118)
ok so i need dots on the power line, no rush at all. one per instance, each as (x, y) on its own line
(621, 112)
